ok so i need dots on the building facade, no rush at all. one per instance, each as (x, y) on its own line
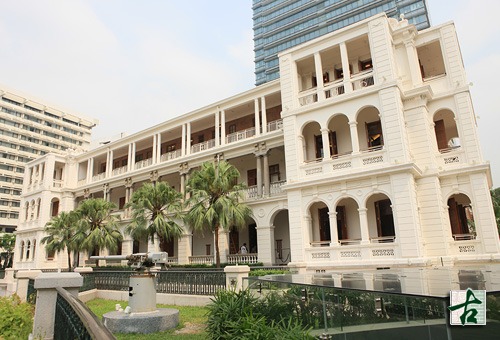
(30, 129)
(364, 154)
(283, 24)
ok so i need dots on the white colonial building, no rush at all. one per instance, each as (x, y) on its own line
(363, 154)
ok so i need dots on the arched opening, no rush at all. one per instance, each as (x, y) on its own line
(313, 142)
(282, 237)
(380, 218)
(348, 225)
(34, 249)
(370, 133)
(27, 210)
(54, 207)
(320, 224)
(339, 136)
(28, 248)
(38, 204)
(245, 236)
(461, 217)
(446, 131)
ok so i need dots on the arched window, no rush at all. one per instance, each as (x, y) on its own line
(28, 245)
(461, 217)
(34, 249)
(21, 253)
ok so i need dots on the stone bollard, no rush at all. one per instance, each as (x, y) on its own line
(23, 277)
(45, 312)
(235, 275)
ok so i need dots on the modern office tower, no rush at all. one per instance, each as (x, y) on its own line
(364, 154)
(30, 129)
(282, 24)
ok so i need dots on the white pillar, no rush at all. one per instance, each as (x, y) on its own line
(301, 149)
(266, 174)
(257, 116)
(132, 165)
(363, 225)
(326, 143)
(109, 163)
(264, 114)
(334, 237)
(183, 142)
(158, 148)
(319, 76)
(129, 157)
(266, 245)
(416, 76)
(223, 127)
(345, 67)
(153, 151)
(259, 176)
(90, 169)
(354, 137)
(217, 129)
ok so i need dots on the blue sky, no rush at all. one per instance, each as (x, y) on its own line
(133, 64)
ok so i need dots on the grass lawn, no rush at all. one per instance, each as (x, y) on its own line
(191, 321)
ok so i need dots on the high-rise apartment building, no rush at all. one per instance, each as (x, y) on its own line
(30, 129)
(281, 24)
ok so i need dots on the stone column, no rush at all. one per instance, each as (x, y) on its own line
(217, 129)
(267, 249)
(259, 175)
(267, 180)
(411, 52)
(109, 163)
(90, 170)
(188, 139)
(23, 277)
(318, 67)
(345, 67)
(257, 116)
(223, 127)
(158, 148)
(354, 137)
(183, 140)
(334, 237)
(363, 225)
(45, 312)
(132, 157)
(129, 157)
(185, 247)
(264, 114)
(326, 143)
(153, 150)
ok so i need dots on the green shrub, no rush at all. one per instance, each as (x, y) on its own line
(16, 318)
(239, 315)
(264, 272)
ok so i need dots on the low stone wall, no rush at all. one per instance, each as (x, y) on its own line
(167, 299)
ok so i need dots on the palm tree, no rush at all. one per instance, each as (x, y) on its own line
(156, 208)
(7, 243)
(60, 234)
(100, 226)
(215, 200)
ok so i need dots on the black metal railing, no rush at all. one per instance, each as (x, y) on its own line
(31, 291)
(190, 282)
(2, 273)
(75, 321)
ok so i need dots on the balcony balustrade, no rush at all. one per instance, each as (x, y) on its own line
(242, 258)
(337, 88)
(119, 170)
(98, 177)
(209, 144)
(240, 135)
(375, 156)
(170, 155)
(351, 250)
(57, 183)
(275, 125)
(201, 259)
(144, 163)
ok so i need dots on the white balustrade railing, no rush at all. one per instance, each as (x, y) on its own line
(82, 181)
(352, 249)
(201, 259)
(203, 146)
(240, 135)
(98, 177)
(252, 191)
(250, 258)
(275, 187)
(58, 183)
(275, 125)
(119, 170)
(170, 155)
(144, 163)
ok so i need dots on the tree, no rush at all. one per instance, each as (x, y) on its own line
(61, 230)
(215, 200)
(7, 243)
(156, 208)
(100, 226)
(495, 197)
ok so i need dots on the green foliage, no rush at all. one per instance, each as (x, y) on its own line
(239, 315)
(264, 272)
(16, 318)
(215, 200)
(61, 231)
(156, 209)
(7, 244)
(100, 229)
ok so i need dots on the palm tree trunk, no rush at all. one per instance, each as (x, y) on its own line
(217, 254)
(69, 260)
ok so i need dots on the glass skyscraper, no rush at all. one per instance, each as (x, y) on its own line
(281, 24)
